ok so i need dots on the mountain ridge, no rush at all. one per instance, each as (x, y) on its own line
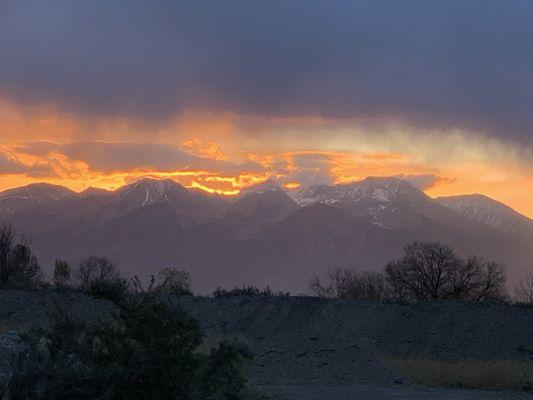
(390, 186)
(481, 208)
(265, 235)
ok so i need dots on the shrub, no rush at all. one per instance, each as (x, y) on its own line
(7, 241)
(248, 290)
(223, 372)
(348, 284)
(114, 290)
(18, 265)
(94, 269)
(62, 275)
(524, 290)
(150, 352)
(169, 281)
(100, 278)
(173, 281)
(25, 267)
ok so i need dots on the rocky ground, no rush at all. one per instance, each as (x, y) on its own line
(312, 349)
(307, 348)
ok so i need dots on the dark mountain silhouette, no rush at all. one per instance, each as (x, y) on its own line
(264, 236)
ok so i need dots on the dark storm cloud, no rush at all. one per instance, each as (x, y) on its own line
(109, 157)
(464, 64)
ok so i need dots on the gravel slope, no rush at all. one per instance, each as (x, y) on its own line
(307, 348)
(312, 349)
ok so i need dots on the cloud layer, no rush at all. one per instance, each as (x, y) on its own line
(466, 65)
(92, 161)
(112, 157)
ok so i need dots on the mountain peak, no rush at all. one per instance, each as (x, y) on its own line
(486, 210)
(93, 191)
(374, 189)
(37, 192)
(148, 191)
(387, 189)
(266, 186)
(151, 183)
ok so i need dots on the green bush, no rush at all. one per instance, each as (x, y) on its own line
(149, 352)
(114, 290)
(19, 267)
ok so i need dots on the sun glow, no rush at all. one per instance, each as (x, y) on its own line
(292, 185)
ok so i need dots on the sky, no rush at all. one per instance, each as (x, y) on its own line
(223, 95)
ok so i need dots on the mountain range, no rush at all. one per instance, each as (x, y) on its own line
(266, 235)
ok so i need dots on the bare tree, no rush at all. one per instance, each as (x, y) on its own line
(173, 281)
(349, 284)
(137, 285)
(431, 271)
(524, 290)
(168, 281)
(19, 267)
(424, 272)
(335, 285)
(25, 270)
(489, 282)
(62, 274)
(7, 241)
(96, 269)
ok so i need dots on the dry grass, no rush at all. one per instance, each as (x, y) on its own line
(472, 374)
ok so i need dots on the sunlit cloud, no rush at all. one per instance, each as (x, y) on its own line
(224, 153)
(221, 101)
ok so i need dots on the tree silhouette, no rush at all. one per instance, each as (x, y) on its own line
(432, 271)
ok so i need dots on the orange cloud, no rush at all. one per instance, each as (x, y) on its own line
(209, 150)
(289, 169)
(224, 153)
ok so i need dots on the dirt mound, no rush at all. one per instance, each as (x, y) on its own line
(22, 310)
(308, 348)
(341, 343)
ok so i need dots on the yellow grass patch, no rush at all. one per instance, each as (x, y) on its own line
(472, 374)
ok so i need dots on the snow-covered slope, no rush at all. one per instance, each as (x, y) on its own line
(490, 212)
(39, 192)
(35, 195)
(389, 202)
(151, 191)
(379, 190)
